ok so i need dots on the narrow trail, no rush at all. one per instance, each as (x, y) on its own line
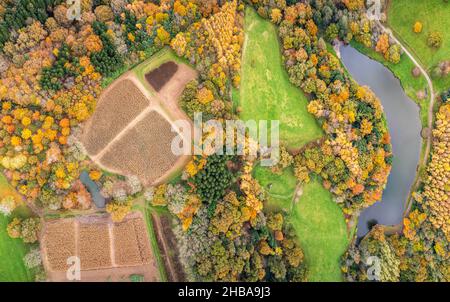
(430, 114)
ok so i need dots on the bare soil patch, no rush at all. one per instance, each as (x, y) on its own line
(59, 243)
(167, 242)
(118, 106)
(94, 246)
(145, 151)
(107, 251)
(159, 77)
(171, 92)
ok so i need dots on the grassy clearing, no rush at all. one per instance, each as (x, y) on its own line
(12, 251)
(317, 219)
(321, 229)
(279, 188)
(435, 16)
(266, 93)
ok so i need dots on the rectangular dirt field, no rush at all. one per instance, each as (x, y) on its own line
(118, 106)
(125, 244)
(107, 250)
(59, 243)
(94, 246)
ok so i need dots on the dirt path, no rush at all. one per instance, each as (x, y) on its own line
(430, 115)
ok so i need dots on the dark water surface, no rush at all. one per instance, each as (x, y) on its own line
(404, 126)
(92, 187)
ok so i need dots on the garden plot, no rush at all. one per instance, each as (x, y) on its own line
(107, 250)
(144, 150)
(59, 243)
(118, 106)
(94, 246)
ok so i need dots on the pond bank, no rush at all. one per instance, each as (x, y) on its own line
(404, 125)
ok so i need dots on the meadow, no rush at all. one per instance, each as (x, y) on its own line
(265, 92)
(12, 251)
(318, 221)
(435, 16)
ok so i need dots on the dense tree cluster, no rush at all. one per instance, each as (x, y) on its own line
(374, 259)
(235, 240)
(436, 191)
(26, 229)
(214, 45)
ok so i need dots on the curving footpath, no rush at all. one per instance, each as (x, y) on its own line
(430, 112)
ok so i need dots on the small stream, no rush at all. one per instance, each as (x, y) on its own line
(404, 126)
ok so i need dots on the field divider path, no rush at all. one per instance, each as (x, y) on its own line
(111, 245)
(122, 133)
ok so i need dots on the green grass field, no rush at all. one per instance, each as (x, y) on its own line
(321, 229)
(316, 218)
(279, 188)
(266, 93)
(435, 16)
(12, 251)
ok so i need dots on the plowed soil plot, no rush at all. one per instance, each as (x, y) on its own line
(59, 243)
(145, 150)
(129, 250)
(117, 107)
(159, 77)
(107, 250)
(142, 240)
(95, 250)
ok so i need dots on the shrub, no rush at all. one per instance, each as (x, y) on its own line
(417, 28)
(435, 39)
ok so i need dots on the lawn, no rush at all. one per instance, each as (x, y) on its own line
(322, 231)
(316, 218)
(12, 251)
(435, 16)
(279, 188)
(265, 92)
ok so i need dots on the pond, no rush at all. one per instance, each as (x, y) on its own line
(404, 126)
(93, 189)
